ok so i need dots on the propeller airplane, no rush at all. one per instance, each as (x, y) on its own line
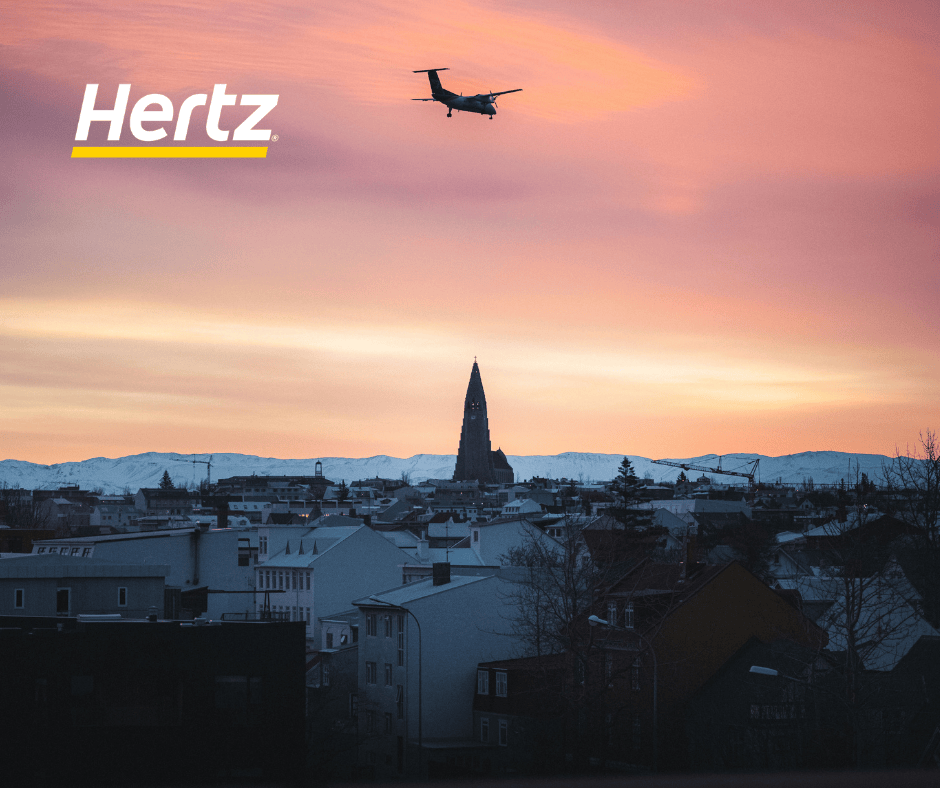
(482, 103)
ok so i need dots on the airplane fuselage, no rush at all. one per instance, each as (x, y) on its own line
(480, 103)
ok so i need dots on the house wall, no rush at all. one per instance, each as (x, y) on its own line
(703, 633)
(87, 595)
(460, 627)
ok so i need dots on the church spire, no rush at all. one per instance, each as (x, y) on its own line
(474, 454)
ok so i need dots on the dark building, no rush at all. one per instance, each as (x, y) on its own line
(150, 702)
(476, 461)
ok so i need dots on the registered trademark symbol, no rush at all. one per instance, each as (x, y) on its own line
(274, 138)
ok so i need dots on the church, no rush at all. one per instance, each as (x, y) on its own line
(476, 461)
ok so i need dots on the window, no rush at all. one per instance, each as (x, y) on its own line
(19, 597)
(41, 550)
(400, 701)
(370, 723)
(503, 733)
(628, 615)
(325, 670)
(122, 597)
(263, 545)
(329, 640)
(635, 675)
(483, 682)
(280, 580)
(370, 624)
(75, 551)
(401, 641)
(388, 722)
(63, 601)
(388, 674)
(308, 580)
(612, 613)
(501, 684)
(485, 730)
(308, 616)
(370, 673)
(86, 552)
(476, 534)
(388, 626)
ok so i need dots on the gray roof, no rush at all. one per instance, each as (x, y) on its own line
(315, 543)
(398, 597)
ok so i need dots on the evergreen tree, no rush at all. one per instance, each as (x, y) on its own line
(166, 483)
(627, 499)
(342, 492)
(681, 477)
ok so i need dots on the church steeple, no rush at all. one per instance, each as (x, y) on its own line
(474, 455)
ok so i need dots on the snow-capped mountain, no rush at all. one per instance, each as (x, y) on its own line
(145, 470)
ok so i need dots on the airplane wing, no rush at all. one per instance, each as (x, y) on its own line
(504, 92)
(430, 99)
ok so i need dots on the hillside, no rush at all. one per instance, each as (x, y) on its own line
(145, 470)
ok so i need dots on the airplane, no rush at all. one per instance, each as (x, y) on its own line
(483, 103)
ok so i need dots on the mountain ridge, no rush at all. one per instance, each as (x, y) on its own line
(113, 475)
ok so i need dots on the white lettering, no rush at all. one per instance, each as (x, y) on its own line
(246, 130)
(186, 110)
(140, 114)
(91, 115)
(219, 99)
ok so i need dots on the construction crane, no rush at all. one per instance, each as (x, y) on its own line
(689, 466)
(207, 463)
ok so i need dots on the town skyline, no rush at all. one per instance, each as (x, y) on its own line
(693, 231)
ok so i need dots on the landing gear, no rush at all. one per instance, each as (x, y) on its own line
(448, 114)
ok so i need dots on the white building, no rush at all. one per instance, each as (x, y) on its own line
(419, 647)
(322, 570)
(202, 562)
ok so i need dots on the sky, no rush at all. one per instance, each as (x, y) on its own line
(698, 228)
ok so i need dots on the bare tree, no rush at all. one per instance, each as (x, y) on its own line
(872, 622)
(559, 585)
(913, 482)
(20, 509)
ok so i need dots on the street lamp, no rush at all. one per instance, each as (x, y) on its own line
(771, 672)
(385, 604)
(595, 621)
(764, 671)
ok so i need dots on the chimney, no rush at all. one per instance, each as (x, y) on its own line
(221, 513)
(423, 549)
(440, 572)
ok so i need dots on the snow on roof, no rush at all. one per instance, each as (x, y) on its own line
(397, 597)
(314, 544)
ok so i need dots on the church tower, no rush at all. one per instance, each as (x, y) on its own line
(475, 457)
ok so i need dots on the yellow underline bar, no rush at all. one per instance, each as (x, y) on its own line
(173, 152)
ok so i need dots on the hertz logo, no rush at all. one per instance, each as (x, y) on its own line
(156, 108)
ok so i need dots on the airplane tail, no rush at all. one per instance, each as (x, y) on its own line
(436, 87)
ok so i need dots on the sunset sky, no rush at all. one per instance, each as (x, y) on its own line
(700, 227)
